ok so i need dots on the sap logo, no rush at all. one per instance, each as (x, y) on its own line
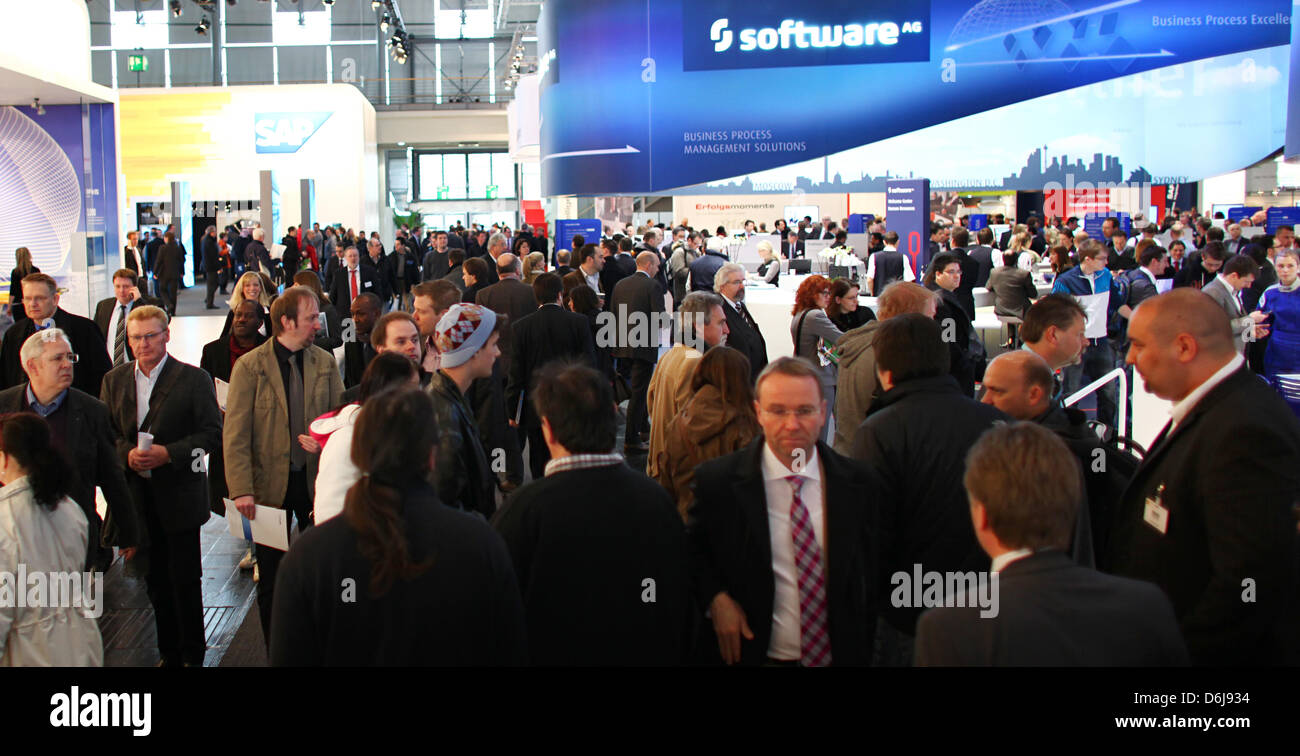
(285, 132)
(720, 35)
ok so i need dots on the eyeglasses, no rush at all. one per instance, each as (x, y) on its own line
(144, 338)
(69, 357)
(799, 412)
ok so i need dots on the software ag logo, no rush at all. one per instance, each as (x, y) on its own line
(757, 33)
(285, 132)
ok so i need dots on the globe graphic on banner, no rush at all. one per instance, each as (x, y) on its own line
(40, 198)
(993, 17)
(1046, 31)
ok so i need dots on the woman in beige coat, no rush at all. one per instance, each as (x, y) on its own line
(43, 536)
(718, 420)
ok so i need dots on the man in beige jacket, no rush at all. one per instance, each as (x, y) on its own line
(701, 324)
(275, 391)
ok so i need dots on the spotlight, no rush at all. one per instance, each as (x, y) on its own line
(328, 2)
(374, 4)
(36, 105)
(204, 25)
(383, 23)
(175, 5)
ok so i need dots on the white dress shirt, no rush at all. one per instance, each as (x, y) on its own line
(1000, 562)
(144, 389)
(111, 341)
(1189, 402)
(871, 267)
(786, 635)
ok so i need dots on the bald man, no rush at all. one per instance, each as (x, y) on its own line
(1021, 384)
(1209, 516)
(634, 303)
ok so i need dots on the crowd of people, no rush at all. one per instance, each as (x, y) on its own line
(384, 401)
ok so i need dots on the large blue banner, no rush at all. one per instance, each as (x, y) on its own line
(565, 230)
(681, 93)
(1293, 106)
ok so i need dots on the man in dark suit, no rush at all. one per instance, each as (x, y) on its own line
(513, 298)
(211, 264)
(41, 298)
(358, 351)
(982, 254)
(744, 335)
(1209, 515)
(455, 274)
(918, 431)
(382, 269)
(79, 427)
(562, 268)
(1201, 268)
(548, 334)
(556, 530)
(638, 298)
(168, 267)
(759, 529)
(218, 361)
(351, 281)
(151, 254)
(791, 246)
(168, 482)
(619, 264)
(970, 270)
(110, 314)
(1024, 486)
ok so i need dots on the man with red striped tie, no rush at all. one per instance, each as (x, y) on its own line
(760, 531)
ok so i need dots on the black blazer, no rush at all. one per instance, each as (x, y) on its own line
(357, 354)
(639, 293)
(1230, 520)
(617, 267)
(170, 263)
(1054, 613)
(88, 444)
(87, 342)
(983, 257)
(16, 310)
(970, 272)
(514, 299)
(184, 417)
(340, 291)
(749, 341)
(104, 316)
(557, 531)
(548, 334)
(730, 550)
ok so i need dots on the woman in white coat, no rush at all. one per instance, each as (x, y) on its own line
(333, 431)
(43, 533)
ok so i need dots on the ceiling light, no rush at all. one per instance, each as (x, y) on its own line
(383, 23)
(36, 105)
(175, 5)
(374, 4)
(204, 25)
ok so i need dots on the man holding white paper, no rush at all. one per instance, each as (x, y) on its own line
(275, 390)
(165, 418)
(1091, 283)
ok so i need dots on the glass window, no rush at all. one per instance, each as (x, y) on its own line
(463, 24)
(151, 32)
(503, 175)
(480, 174)
(430, 171)
(301, 28)
(454, 175)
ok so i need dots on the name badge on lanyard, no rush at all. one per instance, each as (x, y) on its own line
(1156, 514)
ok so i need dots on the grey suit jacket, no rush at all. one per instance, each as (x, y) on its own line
(1218, 291)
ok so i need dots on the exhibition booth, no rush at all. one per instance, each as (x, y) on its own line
(58, 154)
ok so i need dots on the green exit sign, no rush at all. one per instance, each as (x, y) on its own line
(492, 191)
(137, 63)
(444, 192)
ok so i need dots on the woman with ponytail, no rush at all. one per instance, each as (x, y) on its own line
(399, 579)
(43, 532)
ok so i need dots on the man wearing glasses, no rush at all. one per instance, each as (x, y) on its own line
(759, 529)
(173, 407)
(41, 301)
(80, 427)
